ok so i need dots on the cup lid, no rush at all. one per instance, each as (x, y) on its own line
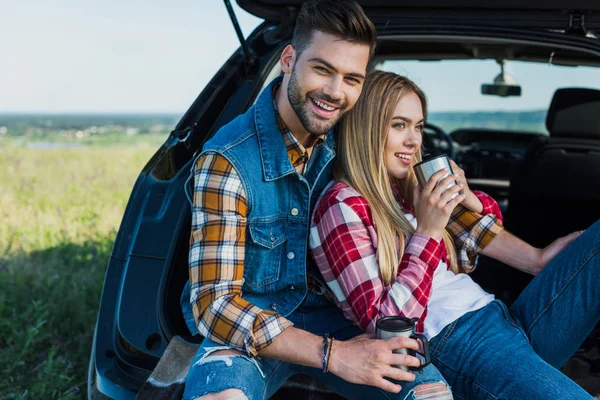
(431, 159)
(396, 324)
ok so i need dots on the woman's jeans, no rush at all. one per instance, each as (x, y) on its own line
(501, 353)
(259, 378)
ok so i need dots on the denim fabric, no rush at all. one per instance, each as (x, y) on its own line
(260, 378)
(501, 353)
(279, 200)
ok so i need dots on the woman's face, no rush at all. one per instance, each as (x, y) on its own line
(404, 136)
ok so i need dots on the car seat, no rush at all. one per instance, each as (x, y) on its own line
(556, 189)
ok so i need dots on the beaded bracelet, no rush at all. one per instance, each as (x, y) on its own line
(325, 352)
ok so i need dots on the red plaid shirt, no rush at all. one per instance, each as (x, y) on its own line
(343, 241)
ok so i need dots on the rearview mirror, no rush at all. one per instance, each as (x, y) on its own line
(501, 90)
(504, 84)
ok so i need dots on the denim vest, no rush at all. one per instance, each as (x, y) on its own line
(280, 202)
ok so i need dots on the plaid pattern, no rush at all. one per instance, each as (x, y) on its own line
(216, 261)
(343, 240)
(472, 231)
(216, 257)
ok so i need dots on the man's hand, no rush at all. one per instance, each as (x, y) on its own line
(511, 250)
(367, 361)
(549, 252)
(362, 360)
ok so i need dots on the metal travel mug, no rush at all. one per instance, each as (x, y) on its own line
(388, 327)
(426, 168)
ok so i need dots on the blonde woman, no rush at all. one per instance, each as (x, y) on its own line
(388, 247)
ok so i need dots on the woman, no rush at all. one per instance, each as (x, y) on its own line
(388, 247)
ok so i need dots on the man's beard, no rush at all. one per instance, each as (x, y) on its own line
(312, 122)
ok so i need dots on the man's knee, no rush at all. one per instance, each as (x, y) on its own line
(229, 394)
(437, 391)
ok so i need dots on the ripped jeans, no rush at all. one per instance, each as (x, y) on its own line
(260, 378)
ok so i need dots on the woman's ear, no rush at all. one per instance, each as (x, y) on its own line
(287, 59)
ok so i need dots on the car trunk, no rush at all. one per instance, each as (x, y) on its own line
(436, 36)
(148, 266)
(574, 17)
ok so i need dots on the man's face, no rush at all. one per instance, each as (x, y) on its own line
(326, 80)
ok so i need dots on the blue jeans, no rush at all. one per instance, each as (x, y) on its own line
(260, 378)
(501, 353)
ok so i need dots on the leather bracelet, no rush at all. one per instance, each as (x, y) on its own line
(325, 352)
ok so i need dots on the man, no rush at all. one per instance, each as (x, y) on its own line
(253, 295)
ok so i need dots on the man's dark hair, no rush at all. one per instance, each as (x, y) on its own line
(343, 18)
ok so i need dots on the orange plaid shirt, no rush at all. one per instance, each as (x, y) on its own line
(216, 258)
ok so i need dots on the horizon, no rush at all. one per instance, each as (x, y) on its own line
(166, 113)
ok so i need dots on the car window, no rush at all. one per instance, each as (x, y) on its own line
(453, 89)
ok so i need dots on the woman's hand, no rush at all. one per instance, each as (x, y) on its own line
(471, 201)
(433, 204)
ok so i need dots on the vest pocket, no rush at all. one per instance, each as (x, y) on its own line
(264, 253)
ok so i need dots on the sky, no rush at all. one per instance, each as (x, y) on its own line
(112, 55)
(152, 56)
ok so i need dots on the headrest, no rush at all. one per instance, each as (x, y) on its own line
(574, 112)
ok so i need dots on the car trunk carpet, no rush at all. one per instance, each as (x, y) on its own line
(167, 381)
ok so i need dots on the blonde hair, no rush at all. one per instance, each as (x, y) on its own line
(361, 164)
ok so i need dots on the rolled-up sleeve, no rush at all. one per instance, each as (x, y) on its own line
(472, 232)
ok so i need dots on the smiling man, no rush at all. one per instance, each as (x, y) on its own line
(317, 92)
(253, 293)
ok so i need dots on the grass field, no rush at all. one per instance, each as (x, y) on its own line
(60, 209)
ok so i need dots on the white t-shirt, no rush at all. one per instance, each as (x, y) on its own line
(452, 296)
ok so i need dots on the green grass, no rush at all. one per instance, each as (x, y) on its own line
(107, 140)
(60, 210)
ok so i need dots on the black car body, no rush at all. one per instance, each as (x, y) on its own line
(140, 313)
